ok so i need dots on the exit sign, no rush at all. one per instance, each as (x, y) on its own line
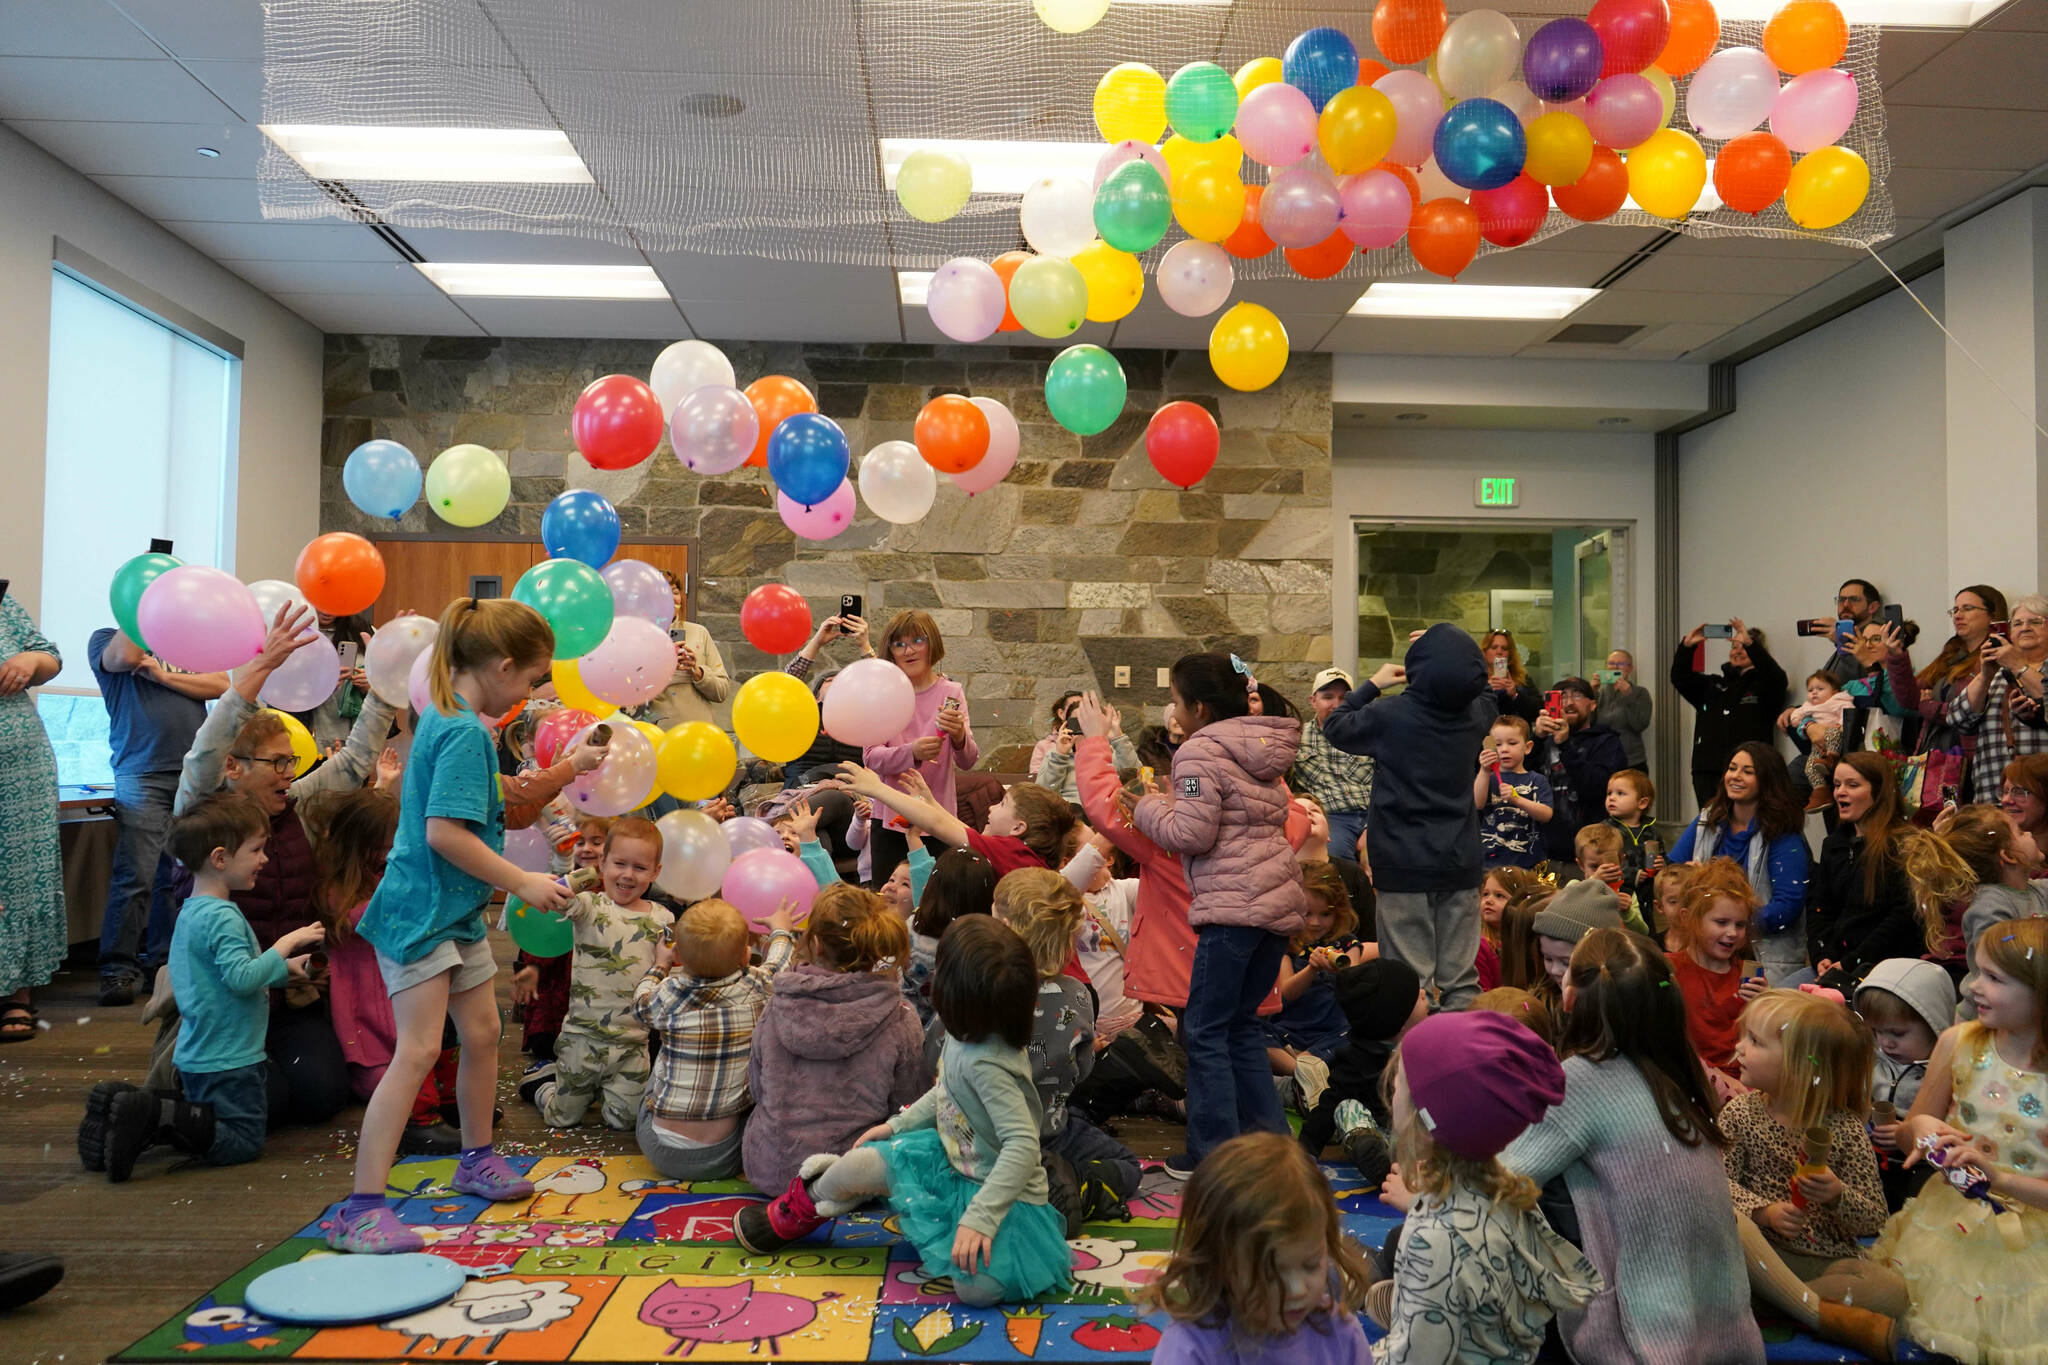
(1496, 490)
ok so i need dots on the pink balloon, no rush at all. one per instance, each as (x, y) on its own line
(714, 429)
(1195, 278)
(201, 620)
(623, 782)
(745, 833)
(758, 882)
(416, 683)
(822, 522)
(1418, 108)
(1622, 111)
(966, 299)
(527, 849)
(1277, 125)
(631, 665)
(1300, 206)
(1003, 440)
(304, 680)
(1814, 110)
(1130, 149)
(870, 702)
(1376, 208)
(638, 589)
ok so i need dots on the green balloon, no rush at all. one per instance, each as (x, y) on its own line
(1085, 389)
(538, 931)
(1133, 208)
(576, 602)
(1201, 101)
(124, 595)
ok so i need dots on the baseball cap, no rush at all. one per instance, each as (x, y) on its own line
(1331, 675)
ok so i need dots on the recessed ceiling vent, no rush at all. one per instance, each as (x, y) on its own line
(1595, 334)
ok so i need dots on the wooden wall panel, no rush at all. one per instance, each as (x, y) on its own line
(425, 575)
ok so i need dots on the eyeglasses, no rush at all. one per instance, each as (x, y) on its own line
(2011, 793)
(1848, 600)
(909, 642)
(1965, 608)
(284, 765)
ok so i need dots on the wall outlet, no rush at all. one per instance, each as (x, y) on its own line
(1165, 677)
(1123, 675)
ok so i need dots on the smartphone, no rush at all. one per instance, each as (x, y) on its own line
(1500, 667)
(1813, 628)
(1722, 632)
(347, 651)
(5, 584)
(159, 546)
(950, 704)
(1894, 615)
(849, 604)
(1610, 676)
(2002, 629)
(1553, 704)
(1147, 776)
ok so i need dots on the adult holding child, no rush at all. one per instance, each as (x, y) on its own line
(1756, 819)
(938, 739)
(2001, 704)
(32, 931)
(1737, 706)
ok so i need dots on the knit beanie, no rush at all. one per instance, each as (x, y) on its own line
(1478, 1079)
(1377, 997)
(1577, 911)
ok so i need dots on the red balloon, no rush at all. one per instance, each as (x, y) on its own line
(775, 619)
(1752, 171)
(1181, 440)
(618, 422)
(554, 732)
(1444, 235)
(1324, 259)
(1248, 241)
(1632, 33)
(1512, 214)
(1597, 194)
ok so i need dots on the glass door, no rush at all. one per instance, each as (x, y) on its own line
(1597, 597)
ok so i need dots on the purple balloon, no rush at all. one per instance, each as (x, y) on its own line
(1562, 60)
(744, 834)
(823, 521)
(1814, 110)
(758, 882)
(966, 299)
(1377, 208)
(1300, 206)
(714, 429)
(305, 679)
(527, 849)
(1623, 111)
(201, 620)
(638, 589)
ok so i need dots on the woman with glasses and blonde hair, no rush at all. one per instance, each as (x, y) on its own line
(2001, 703)
(937, 740)
(1508, 679)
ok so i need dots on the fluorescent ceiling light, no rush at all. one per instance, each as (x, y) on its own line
(1520, 303)
(540, 156)
(912, 286)
(486, 281)
(1891, 13)
(999, 167)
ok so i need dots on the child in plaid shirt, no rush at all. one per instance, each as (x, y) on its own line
(696, 1098)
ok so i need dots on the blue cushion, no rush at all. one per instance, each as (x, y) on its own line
(344, 1289)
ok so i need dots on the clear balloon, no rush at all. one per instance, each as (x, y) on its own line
(305, 679)
(1732, 93)
(201, 620)
(694, 855)
(714, 428)
(1376, 209)
(1277, 125)
(1623, 111)
(623, 782)
(1418, 104)
(580, 523)
(821, 520)
(382, 478)
(468, 485)
(685, 367)
(896, 483)
(870, 702)
(1195, 278)
(695, 761)
(1003, 442)
(1480, 50)
(527, 849)
(775, 717)
(632, 664)
(638, 589)
(392, 652)
(1057, 217)
(763, 881)
(933, 185)
(1300, 206)
(1814, 110)
(274, 595)
(746, 834)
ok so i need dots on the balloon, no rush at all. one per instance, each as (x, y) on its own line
(822, 520)
(638, 589)
(1277, 125)
(130, 581)
(1480, 50)
(1057, 218)
(870, 702)
(580, 524)
(1130, 103)
(303, 748)
(808, 457)
(1432, 183)
(1667, 94)
(1480, 144)
(1119, 153)
(1806, 35)
(776, 619)
(695, 762)
(951, 433)
(1370, 70)
(1418, 104)
(1006, 266)
(1061, 16)
(1300, 206)
(694, 854)
(273, 595)
(632, 664)
(1356, 129)
(1827, 187)
(775, 396)
(1085, 389)
(1408, 30)
(775, 717)
(965, 297)
(1560, 149)
(573, 694)
(1512, 214)
(1562, 61)
(1248, 347)
(203, 620)
(340, 573)
(1048, 295)
(468, 485)
(746, 833)
(1444, 236)
(1195, 278)
(933, 185)
(1598, 193)
(1752, 171)
(1521, 102)
(1319, 63)
(617, 422)
(1731, 93)
(541, 933)
(1208, 203)
(1180, 156)
(391, 653)
(574, 601)
(556, 729)
(1132, 209)
(1695, 31)
(761, 882)
(527, 849)
(896, 483)
(1257, 72)
(623, 782)
(1114, 280)
(1632, 33)
(714, 429)
(1623, 111)
(307, 677)
(1201, 102)
(1249, 241)
(1667, 173)
(1376, 209)
(684, 367)
(382, 478)
(1003, 442)
(1815, 109)
(1181, 441)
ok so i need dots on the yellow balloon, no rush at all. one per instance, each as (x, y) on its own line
(468, 485)
(1827, 187)
(1248, 347)
(1666, 92)
(1356, 129)
(695, 761)
(1208, 203)
(1255, 73)
(1226, 153)
(933, 185)
(1560, 148)
(1114, 278)
(1130, 101)
(775, 716)
(1667, 173)
(574, 695)
(1070, 16)
(303, 748)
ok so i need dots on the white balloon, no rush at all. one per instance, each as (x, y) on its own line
(694, 855)
(1195, 278)
(1436, 185)
(896, 483)
(685, 366)
(273, 593)
(1071, 16)
(304, 680)
(623, 782)
(1058, 216)
(1520, 100)
(392, 653)
(1480, 51)
(1731, 93)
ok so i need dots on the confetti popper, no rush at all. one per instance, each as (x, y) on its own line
(1815, 1161)
(1971, 1182)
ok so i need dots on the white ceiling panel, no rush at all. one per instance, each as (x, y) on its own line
(1980, 70)
(1923, 192)
(280, 241)
(1713, 274)
(1648, 305)
(92, 88)
(781, 319)
(1163, 328)
(2030, 15)
(1676, 338)
(188, 199)
(1968, 139)
(1900, 52)
(392, 277)
(1576, 269)
(692, 277)
(213, 30)
(69, 28)
(425, 316)
(578, 318)
(239, 85)
(100, 148)
(537, 248)
(1434, 336)
(1288, 297)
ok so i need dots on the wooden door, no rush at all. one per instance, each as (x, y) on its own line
(424, 576)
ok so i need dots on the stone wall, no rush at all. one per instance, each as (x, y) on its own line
(1082, 560)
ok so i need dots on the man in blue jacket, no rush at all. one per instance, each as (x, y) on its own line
(1422, 832)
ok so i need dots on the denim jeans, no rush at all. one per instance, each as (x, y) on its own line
(1230, 1080)
(241, 1110)
(138, 896)
(1345, 827)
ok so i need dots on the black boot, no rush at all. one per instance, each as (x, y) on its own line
(429, 1139)
(1367, 1147)
(138, 1120)
(92, 1129)
(1063, 1190)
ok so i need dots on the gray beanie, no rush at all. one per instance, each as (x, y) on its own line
(1577, 911)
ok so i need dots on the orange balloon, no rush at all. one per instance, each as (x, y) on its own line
(1407, 31)
(1752, 171)
(951, 433)
(1370, 70)
(1324, 259)
(1597, 194)
(1249, 241)
(340, 573)
(775, 396)
(1444, 235)
(1695, 29)
(1006, 266)
(1806, 35)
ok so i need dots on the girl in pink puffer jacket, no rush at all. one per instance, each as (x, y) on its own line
(1226, 815)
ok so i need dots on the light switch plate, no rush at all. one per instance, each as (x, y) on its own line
(1123, 675)
(1164, 677)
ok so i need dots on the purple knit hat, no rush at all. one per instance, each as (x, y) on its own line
(1478, 1079)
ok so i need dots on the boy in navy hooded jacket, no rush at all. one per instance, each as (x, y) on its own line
(1423, 832)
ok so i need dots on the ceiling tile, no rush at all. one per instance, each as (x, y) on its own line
(392, 277)
(691, 276)
(239, 85)
(88, 88)
(1647, 306)
(2030, 15)
(1980, 70)
(578, 317)
(782, 319)
(1715, 274)
(425, 316)
(190, 200)
(70, 28)
(1902, 51)
(537, 248)
(1923, 192)
(285, 241)
(1748, 247)
(1575, 269)
(92, 147)
(230, 30)
(1598, 237)
(1168, 330)
(1967, 139)
(1433, 336)
(1290, 296)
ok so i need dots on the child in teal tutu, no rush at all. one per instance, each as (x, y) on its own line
(960, 1167)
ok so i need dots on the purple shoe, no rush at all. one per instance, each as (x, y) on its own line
(376, 1233)
(492, 1178)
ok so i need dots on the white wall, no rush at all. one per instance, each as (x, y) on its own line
(277, 500)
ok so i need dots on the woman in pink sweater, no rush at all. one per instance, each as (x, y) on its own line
(937, 740)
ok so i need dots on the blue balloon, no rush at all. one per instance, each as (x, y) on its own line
(1321, 63)
(582, 525)
(808, 457)
(1562, 60)
(1480, 144)
(382, 478)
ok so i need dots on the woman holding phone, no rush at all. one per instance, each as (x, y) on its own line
(937, 740)
(1735, 706)
(1976, 610)
(2001, 705)
(1506, 676)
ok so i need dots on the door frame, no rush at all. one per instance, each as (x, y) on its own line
(457, 533)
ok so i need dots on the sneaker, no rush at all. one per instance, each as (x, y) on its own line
(376, 1233)
(1160, 1105)
(1311, 1078)
(1181, 1165)
(1369, 1150)
(790, 1217)
(490, 1177)
(533, 1078)
(92, 1129)
(119, 987)
(1352, 1114)
(134, 1120)
(429, 1139)
(1100, 1197)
